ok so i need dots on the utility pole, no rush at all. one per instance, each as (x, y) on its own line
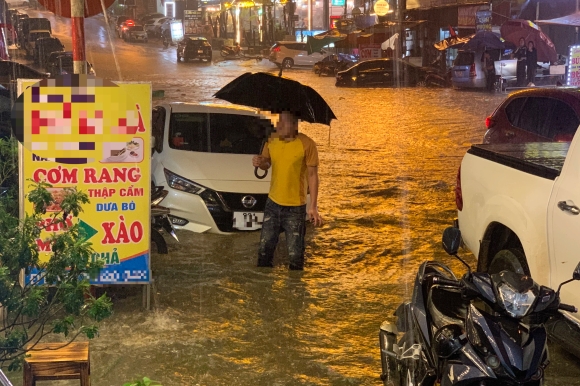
(77, 10)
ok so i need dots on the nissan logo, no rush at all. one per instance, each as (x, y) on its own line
(249, 202)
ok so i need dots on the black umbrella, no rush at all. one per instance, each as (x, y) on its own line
(276, 94)
(485, 40)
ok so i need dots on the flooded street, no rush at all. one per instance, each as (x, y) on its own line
(387, 171)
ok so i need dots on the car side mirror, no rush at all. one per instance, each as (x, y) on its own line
(451, 240)
(576, 275)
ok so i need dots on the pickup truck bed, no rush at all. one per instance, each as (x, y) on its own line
(542, 159)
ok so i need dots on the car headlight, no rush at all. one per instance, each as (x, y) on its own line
(179, 183)
(212, 199)
(516, 304)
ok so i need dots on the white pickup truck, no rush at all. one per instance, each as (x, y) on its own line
(519, 209)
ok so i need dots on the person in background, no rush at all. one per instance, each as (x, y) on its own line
(489, 66)
(520, 55)
(294, 160)
(531, 62)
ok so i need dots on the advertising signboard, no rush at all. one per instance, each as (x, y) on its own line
(176, 28)
(574, 67)
(192, 22)
(483, 20)
(95, 137)
(369, 51)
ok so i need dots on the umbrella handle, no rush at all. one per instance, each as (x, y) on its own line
(260, 177)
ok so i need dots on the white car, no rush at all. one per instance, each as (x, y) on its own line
(202, 154)
(153, 26)
(288, 54)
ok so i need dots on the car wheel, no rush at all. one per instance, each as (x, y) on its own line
(422, 83)
(513, 260)
(287, 63)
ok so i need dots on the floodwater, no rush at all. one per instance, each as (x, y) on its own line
(387, 173)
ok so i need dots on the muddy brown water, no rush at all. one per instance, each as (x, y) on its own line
(387, 174)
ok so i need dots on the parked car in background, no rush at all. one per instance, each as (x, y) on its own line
(148, 16)
(202, 155)
(385, 72)
(288, 54)
(44, 47)
(122, 26)
(61, 63)
(332, 64)
(193, 47)
(11, 71)
(31, 40)
(535, 115)
(17, 21)
(135, 33)
(153, 26)
(467, 70)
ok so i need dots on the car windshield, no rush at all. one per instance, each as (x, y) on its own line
(228, 133)
(66, 62)
(37, 35)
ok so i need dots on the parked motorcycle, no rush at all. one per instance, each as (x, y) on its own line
(480, 330)
(160, 220)
(229, 51)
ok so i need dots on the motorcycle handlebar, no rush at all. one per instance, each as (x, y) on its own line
(449, 282)
(567, 307)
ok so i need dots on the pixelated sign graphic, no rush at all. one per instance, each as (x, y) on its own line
(81, 131)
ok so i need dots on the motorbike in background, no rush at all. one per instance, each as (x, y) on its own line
(160, 220)
(479, 330)
(229, 51)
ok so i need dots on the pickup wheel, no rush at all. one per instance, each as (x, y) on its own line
(512, 260)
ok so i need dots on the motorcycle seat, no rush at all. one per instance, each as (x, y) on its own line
(446, 306)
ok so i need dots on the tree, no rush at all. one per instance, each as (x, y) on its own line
(58, 299)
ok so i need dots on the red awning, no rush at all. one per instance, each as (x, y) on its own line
(572, 20)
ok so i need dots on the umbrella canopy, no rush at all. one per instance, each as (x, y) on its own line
(449, 42)
(276, 94)
(315, 43)
(513, 30)
(391, 42)
(484, 40)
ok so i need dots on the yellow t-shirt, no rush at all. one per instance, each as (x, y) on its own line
(290, 160)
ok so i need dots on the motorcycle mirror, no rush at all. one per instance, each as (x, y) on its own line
(576, 275)
(451, 240)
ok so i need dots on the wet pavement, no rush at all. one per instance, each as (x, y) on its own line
(387, 174)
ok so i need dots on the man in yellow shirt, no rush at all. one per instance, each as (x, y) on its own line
(294, 161)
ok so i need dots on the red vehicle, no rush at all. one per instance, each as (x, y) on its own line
(535, 115)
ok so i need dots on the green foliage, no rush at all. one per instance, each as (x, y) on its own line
(9, 175)
(143, 382)
(58, 299)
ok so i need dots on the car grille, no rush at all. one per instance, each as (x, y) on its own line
(225, 219)
(234, 201)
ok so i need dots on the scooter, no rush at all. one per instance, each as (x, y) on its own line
(228, 51)
(479, 330)
(160, 220)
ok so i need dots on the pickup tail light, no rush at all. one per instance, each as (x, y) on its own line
(472, 72)
(276, 49)
(489, 122)
(458, 193)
